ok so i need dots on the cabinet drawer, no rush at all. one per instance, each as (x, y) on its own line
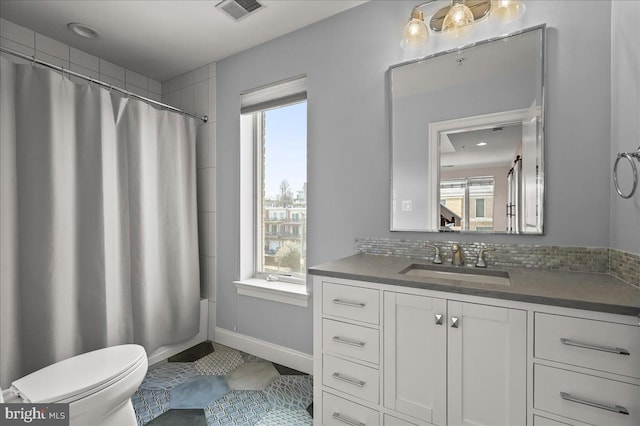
(543, 421)
(356, 303)
(351, 340)
(394, 421)
(351, 378)
(338, 411)
(586, 398)
(599, 345)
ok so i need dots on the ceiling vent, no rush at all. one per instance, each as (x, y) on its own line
(239, 9)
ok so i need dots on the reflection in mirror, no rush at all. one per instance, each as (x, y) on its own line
(467, 142)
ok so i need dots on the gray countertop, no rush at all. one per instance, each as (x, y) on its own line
(579, 290)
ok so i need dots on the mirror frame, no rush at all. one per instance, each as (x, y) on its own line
(542, 184)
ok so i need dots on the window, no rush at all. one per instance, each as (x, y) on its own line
(276, 119)
(480, 207)
(468, 202)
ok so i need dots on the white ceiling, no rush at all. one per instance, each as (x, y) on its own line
(162, 38)
(500, 149)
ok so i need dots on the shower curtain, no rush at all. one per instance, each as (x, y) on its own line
(98, 221)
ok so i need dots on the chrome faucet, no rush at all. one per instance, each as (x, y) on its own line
(436, 256)
(457, 259)
(480, 262)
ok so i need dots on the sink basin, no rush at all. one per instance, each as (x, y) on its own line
(482, 276)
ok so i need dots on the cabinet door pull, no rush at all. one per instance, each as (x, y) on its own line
(349, 380)
(609, 407)
(346, 420)
(439, 319)
(344, 341)
(610, 349)
(348, 303)
(455, 322)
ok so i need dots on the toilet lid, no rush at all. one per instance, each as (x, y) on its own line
(79, 376)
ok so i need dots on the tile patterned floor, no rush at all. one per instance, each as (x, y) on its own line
(224, 388)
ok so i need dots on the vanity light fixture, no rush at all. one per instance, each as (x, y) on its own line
(456, 19)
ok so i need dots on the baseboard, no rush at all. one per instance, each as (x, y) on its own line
(165, 352)
(279, 354)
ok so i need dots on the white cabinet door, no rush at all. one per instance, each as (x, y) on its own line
(487, 349)
(415, 356)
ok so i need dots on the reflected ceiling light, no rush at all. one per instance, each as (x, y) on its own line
(456, 19)
(481, 144)
(83, 30)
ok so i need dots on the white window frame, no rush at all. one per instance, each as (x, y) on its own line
(251, 282)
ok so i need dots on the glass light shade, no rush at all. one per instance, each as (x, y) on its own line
(458, 21)
(415, 35)
(507, 10)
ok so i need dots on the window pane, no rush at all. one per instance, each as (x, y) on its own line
(283, 187)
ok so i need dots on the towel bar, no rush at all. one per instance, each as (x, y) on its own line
(629, 156)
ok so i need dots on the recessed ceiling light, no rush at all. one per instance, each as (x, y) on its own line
(481, 144)
(83, 30)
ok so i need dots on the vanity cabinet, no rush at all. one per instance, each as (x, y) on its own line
(586, 370)
(543, 348)
(396, 358)
(451, 362)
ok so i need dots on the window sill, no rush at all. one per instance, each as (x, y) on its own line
(277, 291)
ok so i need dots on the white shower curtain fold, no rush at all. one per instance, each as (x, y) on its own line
(98, 226)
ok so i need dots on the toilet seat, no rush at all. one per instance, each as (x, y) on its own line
(78, 377)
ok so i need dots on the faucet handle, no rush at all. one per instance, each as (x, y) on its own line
(436, 256)
(480, 261)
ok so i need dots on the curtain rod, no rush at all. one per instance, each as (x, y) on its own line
(64, 71)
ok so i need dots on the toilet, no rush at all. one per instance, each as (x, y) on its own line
(97, 385)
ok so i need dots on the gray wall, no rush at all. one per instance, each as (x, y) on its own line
(346, 58)
(625, 122)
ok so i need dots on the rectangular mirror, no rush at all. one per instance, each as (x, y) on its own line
(467, 138)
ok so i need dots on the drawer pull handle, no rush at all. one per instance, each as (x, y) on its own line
(349, 380)
(615, 408)
(344, 341)
(348, 303)
(439, 319)
(346, 420)
(570, 342)
(455, 322)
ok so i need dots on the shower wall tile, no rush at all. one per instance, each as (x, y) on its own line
(201, 97)
(64, 63)
(201, 74)
(202, 146)
(17, 33)
(212, 98)
(188, 98)
(211, 153)
(155, 87)
(142, 91)
(155, 96)
(207, 276)
(52, 47)
(111, 70)
(112, 81)
(135, 79)
(85, 60)
(82, 70)
(10, 44)
(187, 79)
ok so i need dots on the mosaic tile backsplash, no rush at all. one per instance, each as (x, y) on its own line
(625, 266)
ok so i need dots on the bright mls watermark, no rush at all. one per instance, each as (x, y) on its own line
(34, 414)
